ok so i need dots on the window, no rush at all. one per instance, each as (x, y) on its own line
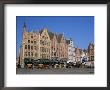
(31, 41)
(47, 49)
(28, 53)
(28, 41)
(55, 54)
(42, 42)
(34, 42)
(92, 58)
(42, 36)
(25, 53)
(42, 49)
(31, 36)
(89, 58)
(25, 46)
(35, 47)
(32, 54)
(29, 47)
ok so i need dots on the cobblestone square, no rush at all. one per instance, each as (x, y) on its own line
(56, 71)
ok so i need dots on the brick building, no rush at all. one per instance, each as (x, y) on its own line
(90, 52)
(78, 53)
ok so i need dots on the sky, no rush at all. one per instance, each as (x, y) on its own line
(79, 28)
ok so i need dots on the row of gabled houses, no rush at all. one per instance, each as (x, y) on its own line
(85, 54)
(44, 44)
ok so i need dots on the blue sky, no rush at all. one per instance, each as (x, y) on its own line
(79, 28)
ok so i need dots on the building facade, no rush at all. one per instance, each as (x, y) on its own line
(42, 44)
(84, 56)
(71, 50)
(78, 53)
(30, 47)
(90, 52)
(45, 45)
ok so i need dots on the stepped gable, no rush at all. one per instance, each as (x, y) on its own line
(90, 44)
(78, 50)
(51, 34)
(40, 31)
(59, 38)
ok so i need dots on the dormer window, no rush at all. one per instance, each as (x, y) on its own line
(31, 36)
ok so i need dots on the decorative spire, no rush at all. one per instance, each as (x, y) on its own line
(24, 26)
(45, 28)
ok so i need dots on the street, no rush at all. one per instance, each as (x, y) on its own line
(56, 71)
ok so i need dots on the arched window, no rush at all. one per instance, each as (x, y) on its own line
(25, 46)
(29, 47)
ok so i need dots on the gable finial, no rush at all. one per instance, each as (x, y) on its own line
(24, 25)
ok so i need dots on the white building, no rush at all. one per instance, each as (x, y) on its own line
(84, 56)
(71, 51)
